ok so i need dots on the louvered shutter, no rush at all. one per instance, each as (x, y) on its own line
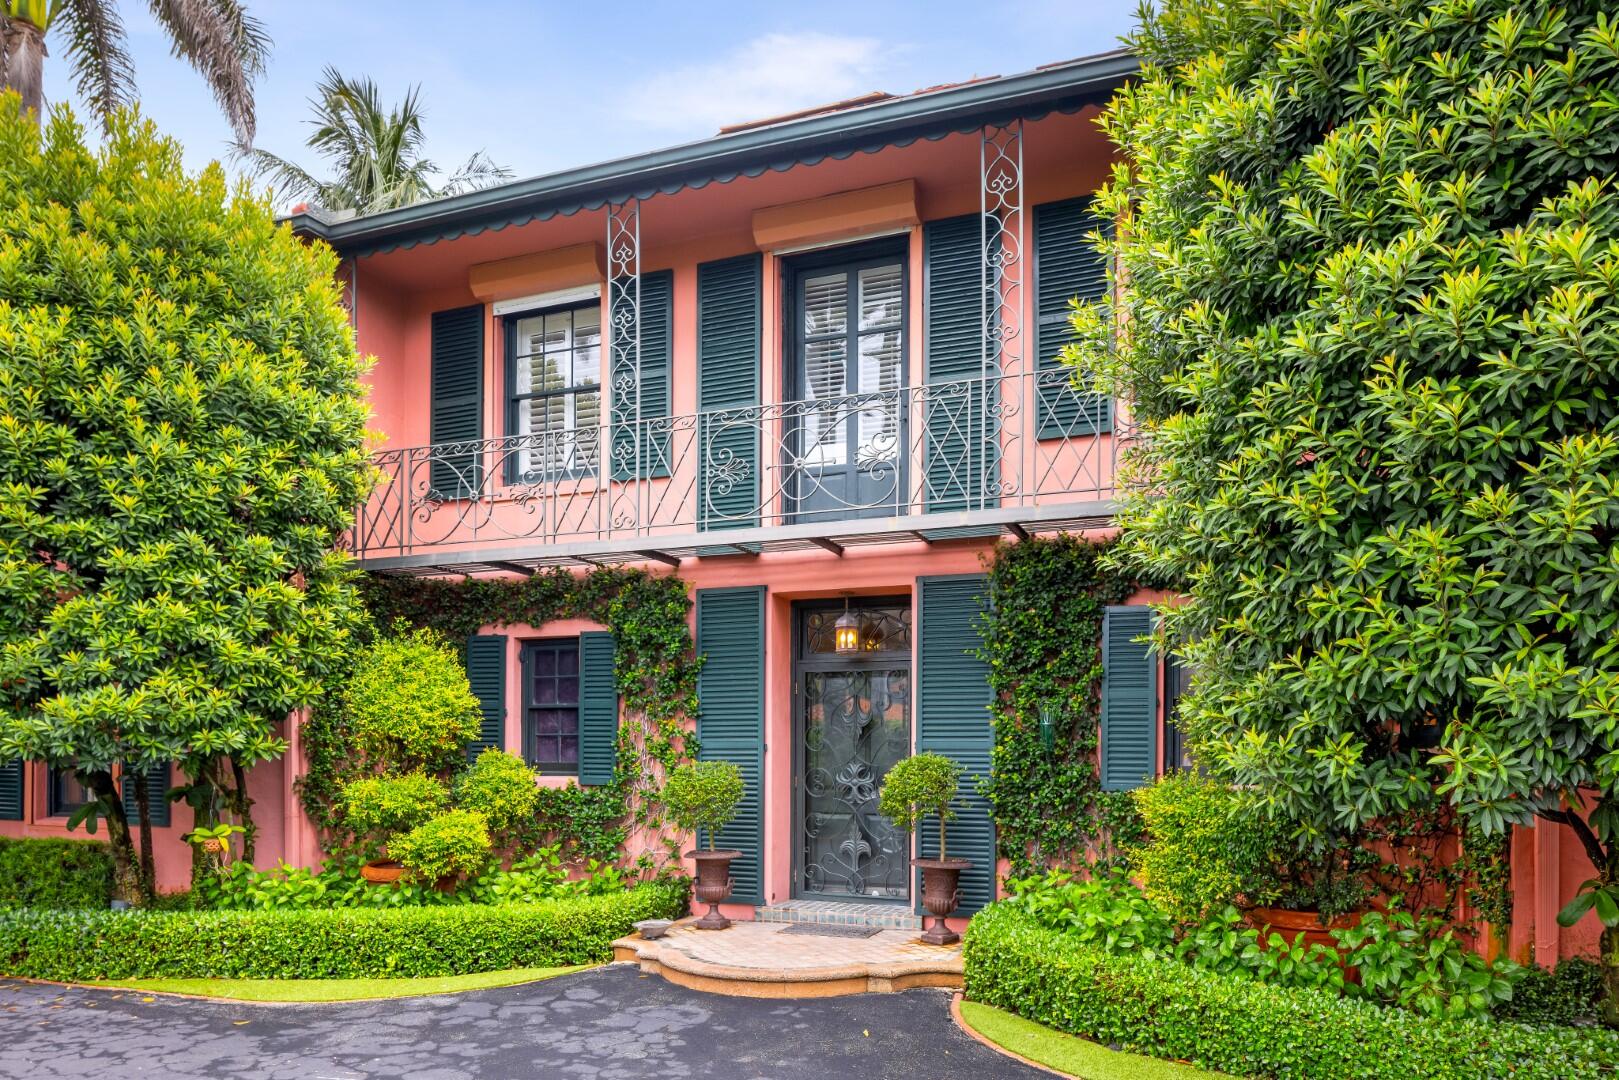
(953, 719)
(157, 790)
(486, 673)
(456, 387)
(961, 436)
(1129, 699)
(1066, 266)
(731, 719)
(728, 335)
(598, 708)
(657, 302)
(11, 790)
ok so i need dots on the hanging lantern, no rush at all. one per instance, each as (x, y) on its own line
(846, 631)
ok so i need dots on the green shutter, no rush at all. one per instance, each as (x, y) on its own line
(486, 673)
(961, 443)
(1066, 266)
(953, 719)
(598, 708)
(731, 718)
(728, 336)
(456, 388)
(11, 790)
(157, 792)
(1129, 699)
(657, 348)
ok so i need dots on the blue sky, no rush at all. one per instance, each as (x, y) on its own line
(548, 86)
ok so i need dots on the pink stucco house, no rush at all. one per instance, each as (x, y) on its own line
(811, 365)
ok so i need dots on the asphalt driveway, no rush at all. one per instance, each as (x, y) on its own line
(607, 1024)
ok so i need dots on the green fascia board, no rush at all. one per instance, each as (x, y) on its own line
(899, 121)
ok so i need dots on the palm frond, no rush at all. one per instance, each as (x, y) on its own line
(480, 171)
(98, 52)
(225, 44)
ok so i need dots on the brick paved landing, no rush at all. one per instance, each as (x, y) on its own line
(755, 959)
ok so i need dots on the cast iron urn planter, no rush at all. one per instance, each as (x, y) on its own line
(713, 885)
(941, 891)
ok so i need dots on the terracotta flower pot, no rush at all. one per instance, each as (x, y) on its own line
(382, 871)
(941, 892)
(1290, 924)
(713, 885)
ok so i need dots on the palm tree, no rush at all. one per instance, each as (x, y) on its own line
(217, 37)
(377, 154)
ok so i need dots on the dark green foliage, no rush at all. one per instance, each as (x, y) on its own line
(1249, 1028)
(1570, 993)
(55, 873)
(1043, 643)
(703, 795)
(327, 944)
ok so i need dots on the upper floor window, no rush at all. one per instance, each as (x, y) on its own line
(553, 372)
(551, 705)
(66, 794)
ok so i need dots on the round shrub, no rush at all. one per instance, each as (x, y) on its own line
(920, 785)
(703, 795)
(451, 845)
(501, 787)
(1206, 846)
(377, 807)
(409, 704)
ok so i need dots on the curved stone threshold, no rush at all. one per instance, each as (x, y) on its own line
(806, 967)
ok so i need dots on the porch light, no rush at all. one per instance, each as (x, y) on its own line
(1048, 726)
(846, 631)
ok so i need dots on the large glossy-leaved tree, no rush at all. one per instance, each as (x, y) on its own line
(181, 444)
(1372, 339)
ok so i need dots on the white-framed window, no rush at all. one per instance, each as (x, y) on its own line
(553, 375)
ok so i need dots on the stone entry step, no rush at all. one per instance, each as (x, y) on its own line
(839, 913)
(759, 959)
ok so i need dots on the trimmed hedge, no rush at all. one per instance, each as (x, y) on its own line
(55, 873)
(340, 943)
(1170, 1010)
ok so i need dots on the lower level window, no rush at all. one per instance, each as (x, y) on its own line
(66, 794)
(551, 705)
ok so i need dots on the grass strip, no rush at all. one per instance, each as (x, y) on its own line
(289, 990)
(1070, 1054)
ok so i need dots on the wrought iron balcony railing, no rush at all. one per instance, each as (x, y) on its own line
(966, 445)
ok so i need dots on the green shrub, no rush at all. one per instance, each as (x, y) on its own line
(1205, 847)
(334, 944)
(409, 704)
(378, 807)
(1570, 993)
(451, 845)
(918, 786)
(55, 874)
(1248, 1028)
(703, 795)
(501, 787)
(1107, 911)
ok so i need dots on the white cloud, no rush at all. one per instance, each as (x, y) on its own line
(764, 77)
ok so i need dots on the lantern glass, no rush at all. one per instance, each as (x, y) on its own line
(846, 633)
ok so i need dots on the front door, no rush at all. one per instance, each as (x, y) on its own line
(853, 723)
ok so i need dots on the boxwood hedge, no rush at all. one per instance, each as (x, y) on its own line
(51, 873)
(1237, 1025)
(339, 943)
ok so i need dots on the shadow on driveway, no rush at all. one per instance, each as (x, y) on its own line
(607, 1024)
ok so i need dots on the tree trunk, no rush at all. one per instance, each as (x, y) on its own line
(125, 875)
(148, 864)
(25, 65)
(242, 807)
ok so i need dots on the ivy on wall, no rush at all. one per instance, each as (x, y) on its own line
(655, 668)
(1042, 636)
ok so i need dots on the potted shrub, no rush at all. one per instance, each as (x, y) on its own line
(444, 849)
(704, 795)
(379, 808)
(920, 785)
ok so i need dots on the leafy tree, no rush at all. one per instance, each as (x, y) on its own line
(1372, 252)
(181, 444)
(376, 152)
(217, 37)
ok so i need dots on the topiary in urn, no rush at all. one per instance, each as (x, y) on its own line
(915, 788)
(704, 796)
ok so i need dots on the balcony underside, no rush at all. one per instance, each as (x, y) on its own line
(671, 549)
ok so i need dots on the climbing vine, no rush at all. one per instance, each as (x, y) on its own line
(655, 670)
(1043, 642)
